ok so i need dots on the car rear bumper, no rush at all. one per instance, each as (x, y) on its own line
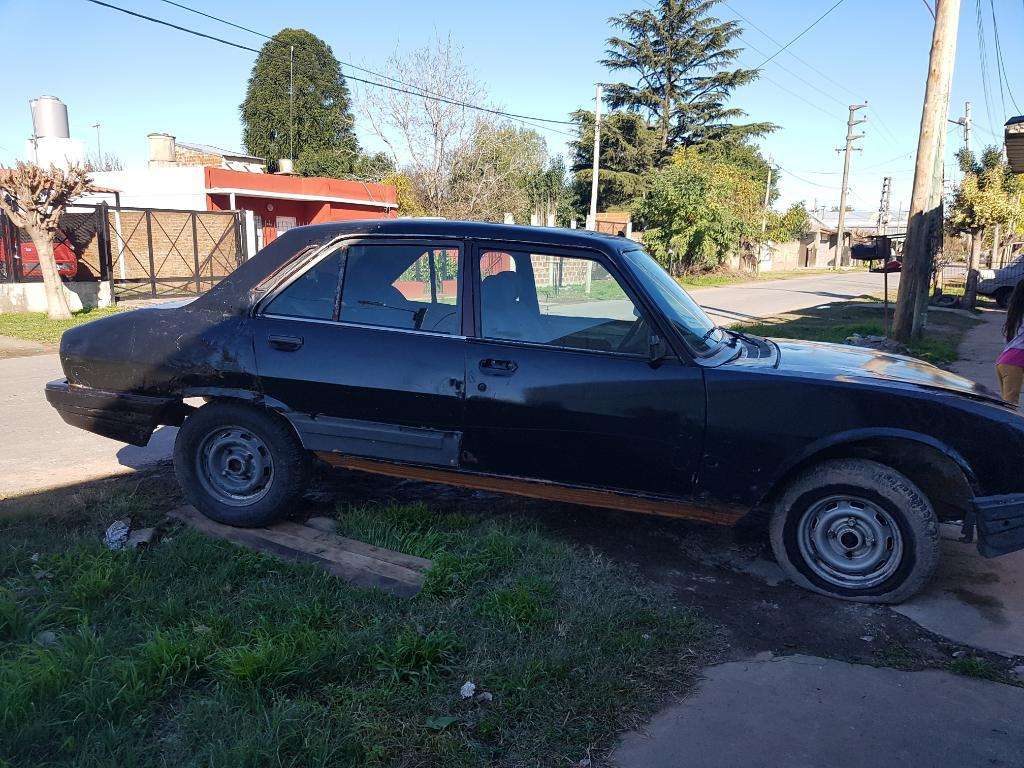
(122, 416)
(1000, 523)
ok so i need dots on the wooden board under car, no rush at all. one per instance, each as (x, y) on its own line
(354, 561)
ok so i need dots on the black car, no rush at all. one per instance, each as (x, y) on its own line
(556, 364)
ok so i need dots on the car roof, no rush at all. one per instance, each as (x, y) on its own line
(430, 227)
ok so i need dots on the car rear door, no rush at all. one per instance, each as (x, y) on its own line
(364, 349)
(560, 384)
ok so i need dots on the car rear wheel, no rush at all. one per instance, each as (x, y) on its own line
(239, 464)
(856, 530)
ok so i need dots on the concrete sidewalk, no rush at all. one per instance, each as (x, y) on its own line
(807, 712)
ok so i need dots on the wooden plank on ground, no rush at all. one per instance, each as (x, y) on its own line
(354, 561)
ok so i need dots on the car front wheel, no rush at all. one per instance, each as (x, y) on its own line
(857, 530)
(238, 464)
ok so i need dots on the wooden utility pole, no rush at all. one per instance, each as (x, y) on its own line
(850, 138)
(592, 218)
(925, 210)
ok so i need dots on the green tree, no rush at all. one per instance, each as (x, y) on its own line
(341, 164)
(704, 205)
(550, 193)
(682, 60)
(988, 194)
(795, 222)
(629, 150)
(321, 111)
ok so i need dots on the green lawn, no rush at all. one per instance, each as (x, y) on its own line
(836, 322)
(36, 326)
(713, 279)
(198, 652)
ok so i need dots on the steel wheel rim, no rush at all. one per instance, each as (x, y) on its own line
(234, 466)
(850, 542)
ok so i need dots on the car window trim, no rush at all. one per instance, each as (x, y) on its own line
(592, 254)
(344, 244)
(349, 324)
(290, 279)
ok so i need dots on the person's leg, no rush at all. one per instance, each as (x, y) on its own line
(1011, 377)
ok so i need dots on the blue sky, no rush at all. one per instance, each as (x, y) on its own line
(534, 57)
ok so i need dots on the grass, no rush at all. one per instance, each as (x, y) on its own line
(197, 652)
(836, 322)
(36, 326)
(714, 279)
(973, 666)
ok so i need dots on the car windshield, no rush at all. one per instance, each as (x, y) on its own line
(702, 335)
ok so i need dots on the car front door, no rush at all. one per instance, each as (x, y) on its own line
(364, 350)
(560, 382)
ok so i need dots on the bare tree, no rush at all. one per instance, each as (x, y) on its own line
(492, 172)
(107, 161)
(34, 200)
(424, 135)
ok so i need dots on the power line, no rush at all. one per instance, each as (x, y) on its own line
(985, 88)
(802, 32)
(890, 136)
(418, 92)
(1000, 62)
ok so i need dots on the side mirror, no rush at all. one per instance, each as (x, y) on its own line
(657, 350)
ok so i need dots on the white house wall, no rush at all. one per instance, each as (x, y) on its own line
(181, 188)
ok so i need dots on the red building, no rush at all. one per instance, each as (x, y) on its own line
(280, 202)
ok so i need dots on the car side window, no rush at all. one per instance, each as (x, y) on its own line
(413, 287)
(561, 301)
(313, 294)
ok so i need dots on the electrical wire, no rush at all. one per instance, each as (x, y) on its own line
(408, 91)
(1000, 61)
(802, 32)
(358, 68)
(985, 87)
(887, 133)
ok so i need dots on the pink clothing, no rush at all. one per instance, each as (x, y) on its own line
(1013, 353)
(1012, 356)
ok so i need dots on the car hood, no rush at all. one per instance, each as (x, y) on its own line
(847, 361)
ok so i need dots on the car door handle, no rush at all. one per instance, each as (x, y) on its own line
(499, 367)
(284, 343)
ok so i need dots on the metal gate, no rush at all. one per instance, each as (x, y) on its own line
(160, 252)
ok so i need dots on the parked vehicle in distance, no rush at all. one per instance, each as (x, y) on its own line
(999, 283)
(556, 364)
(63, 254)
(893, 265)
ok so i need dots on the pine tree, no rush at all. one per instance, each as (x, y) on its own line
(682, 60)
(322, 116)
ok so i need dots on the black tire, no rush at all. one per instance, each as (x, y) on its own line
(886, 520)
(248, 492)
(1002, 296)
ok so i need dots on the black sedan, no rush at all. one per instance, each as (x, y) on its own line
(556, 364)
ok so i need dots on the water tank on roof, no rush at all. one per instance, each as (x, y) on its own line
(49, 118)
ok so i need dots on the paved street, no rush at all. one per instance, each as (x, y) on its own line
(49, 453)
(746, 302)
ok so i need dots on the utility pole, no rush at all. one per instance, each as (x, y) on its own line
(883, 206)
(592, 218)
(925, 210)
(850, 138)
(99, 146)
(764, 219)
(291, 103)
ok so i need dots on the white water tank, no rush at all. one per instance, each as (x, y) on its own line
(162, 149)
(49, 118)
